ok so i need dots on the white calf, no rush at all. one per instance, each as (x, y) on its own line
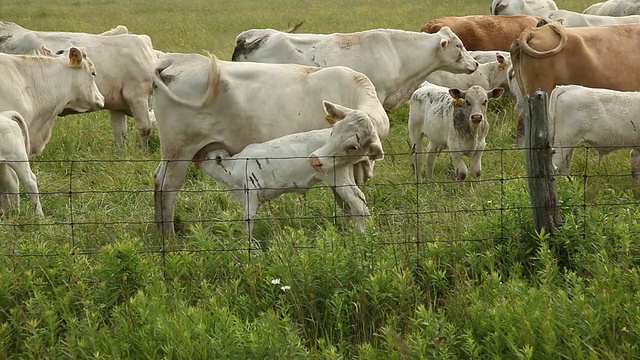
(452, 119)
(263, 171)
(606, 119)
(488, 75)
(14, 149)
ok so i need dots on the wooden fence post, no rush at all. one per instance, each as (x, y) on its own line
(543, 190)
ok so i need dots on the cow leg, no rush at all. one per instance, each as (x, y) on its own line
(354, 199)
(363, 171)
(140, 111)
(29, 181)
(635, 164)
(416, 148)
(169, 177)
(459, 165)
(432, 154)
(119, 126)
(9, 189)
(476, 161)
(251, 207)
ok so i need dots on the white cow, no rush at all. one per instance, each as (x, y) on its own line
(488, 75)
(203, 105)
(574, 19)
(51, 84)
(14, 161)
(396, 61)
(614, 8)
(606, 119)
(522, 7)
(124, 63)
(296, 162)
(451, 119)
(38, 88)
(485, 56)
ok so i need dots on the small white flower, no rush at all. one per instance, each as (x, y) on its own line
(275, 281)
(285, 288)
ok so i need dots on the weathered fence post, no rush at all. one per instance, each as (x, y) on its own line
(543, 190)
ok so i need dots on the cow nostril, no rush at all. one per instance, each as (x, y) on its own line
(476, 118)
(315, 162)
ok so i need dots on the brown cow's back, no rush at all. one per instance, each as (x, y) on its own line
(484, 32)
(601, 57)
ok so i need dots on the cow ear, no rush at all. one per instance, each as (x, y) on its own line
(334, 112)
(375, 150)
(46, 51)
(456, 93)
(495, 93)
(75, 57)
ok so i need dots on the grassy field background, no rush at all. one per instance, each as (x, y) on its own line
(444, 271)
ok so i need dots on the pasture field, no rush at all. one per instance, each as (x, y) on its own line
(444, 271)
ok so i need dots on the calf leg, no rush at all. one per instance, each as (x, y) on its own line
(29, 181)
(459, 165)
(635, 164)
(354, 199)
(251, 207)
(9, 189)
(416, 149)
(476, 161)
(119, 126)
(432, 154)
(169, 177)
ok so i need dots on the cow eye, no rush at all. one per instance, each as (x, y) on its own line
(353, 147)
(484, 102)
(468, 103)
(93, 73)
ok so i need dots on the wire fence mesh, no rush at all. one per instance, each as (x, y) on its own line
(86, 215)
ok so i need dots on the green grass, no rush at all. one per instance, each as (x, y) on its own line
(467, 277)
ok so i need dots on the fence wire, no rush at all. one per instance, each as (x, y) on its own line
(404, 211)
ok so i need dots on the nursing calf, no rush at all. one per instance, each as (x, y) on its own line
(296, 162)
(14, 163)
(606, 119)
(453, 119)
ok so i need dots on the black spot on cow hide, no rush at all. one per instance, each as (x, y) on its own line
(5, 38)
(461, 122)
(244, 48)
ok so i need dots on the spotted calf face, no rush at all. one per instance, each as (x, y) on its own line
(472, 104)
(352, 138)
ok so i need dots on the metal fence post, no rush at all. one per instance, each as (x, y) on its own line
(543, 190)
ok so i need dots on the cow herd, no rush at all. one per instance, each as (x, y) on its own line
(317, 105)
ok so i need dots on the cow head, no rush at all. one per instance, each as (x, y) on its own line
(501, 76)
(522, 7)
(471, 107)
(82, 76)
(353, 137)
(452, 54)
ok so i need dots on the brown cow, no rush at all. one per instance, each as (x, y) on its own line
(597, 57)
(484, 32)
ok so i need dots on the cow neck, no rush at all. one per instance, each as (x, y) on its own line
(414, 70)
(49, 87)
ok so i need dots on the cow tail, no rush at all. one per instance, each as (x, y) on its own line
(553, 102)
(213, 81)
(15, 116)
(560, 30)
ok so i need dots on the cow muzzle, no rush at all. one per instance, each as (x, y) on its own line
(315, 163)
(477, 118)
